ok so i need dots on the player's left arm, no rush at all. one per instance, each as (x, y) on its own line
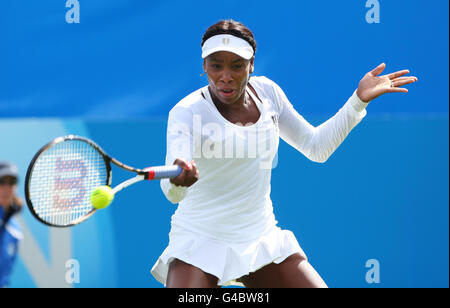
(319, 143)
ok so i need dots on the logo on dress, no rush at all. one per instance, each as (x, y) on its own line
(275, 120)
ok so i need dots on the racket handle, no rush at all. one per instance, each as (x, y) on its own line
(163, 172)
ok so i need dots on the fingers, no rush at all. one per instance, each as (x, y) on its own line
(396, 90)
(194, 170)
(188, 176)
(377, 71)
(397, 74)
(380, 68)
(183, 163)
(398, 82)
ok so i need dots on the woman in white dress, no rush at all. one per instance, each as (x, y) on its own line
(225, 136)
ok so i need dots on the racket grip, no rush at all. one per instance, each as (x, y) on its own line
(163, 172)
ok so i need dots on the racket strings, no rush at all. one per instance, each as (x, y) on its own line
(62, 180)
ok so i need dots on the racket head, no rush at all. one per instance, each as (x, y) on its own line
(61, 177)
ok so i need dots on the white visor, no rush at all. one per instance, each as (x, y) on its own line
(227, 42)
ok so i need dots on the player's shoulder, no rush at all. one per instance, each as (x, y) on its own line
(264, 85)
(189, 103)
(262, 81)
(269, 90)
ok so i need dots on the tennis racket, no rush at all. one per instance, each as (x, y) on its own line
(64, 172)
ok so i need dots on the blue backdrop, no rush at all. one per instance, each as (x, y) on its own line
(114, 76)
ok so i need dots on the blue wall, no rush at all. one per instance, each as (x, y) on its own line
(114, 76)
(137, 58)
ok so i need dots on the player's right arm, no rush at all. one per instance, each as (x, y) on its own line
(179, 152)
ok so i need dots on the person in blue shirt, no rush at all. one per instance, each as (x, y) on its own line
(10, 232)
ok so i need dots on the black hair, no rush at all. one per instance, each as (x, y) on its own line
(231, 27)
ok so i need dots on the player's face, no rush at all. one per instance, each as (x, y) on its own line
(7, 188)
(228, 75)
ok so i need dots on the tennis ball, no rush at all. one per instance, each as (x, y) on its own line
(101, 197)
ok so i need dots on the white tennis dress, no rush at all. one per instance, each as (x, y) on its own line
(224, 223)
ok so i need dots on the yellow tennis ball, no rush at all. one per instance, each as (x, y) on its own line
(101, 197)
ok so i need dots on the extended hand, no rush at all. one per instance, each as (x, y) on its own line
(372, 85)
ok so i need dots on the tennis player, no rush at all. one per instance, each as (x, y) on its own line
(225, 137)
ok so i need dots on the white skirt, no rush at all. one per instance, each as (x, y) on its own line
(227, 261)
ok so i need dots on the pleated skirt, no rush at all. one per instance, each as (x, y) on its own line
(228, 261)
